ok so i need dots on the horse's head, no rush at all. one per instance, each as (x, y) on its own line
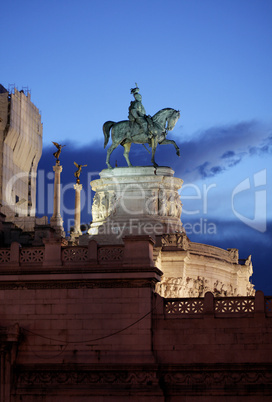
(172, 119)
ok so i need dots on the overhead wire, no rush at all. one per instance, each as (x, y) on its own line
(86, 341)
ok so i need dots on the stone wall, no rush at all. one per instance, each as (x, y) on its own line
(84, 324)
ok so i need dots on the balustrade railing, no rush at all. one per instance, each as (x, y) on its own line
(184, 306)
(107, 253)
(69, 254)
(219, 307)
(74, 254)
(4, 256)
(31, 255)
(230, 305)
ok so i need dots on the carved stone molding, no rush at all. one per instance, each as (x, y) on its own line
(234, 254)
(175, 240)
(90, 377)
(219, 377)
(193, 380)
(86, 284)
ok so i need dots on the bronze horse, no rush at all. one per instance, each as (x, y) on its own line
(124, 133)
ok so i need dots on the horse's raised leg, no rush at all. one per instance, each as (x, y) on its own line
(165, 142)
(126, 152)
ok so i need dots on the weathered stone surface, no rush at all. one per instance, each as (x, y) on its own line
(139, 200)
(20, 151)
(192, 269)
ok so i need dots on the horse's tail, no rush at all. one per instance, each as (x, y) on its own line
(106, 130)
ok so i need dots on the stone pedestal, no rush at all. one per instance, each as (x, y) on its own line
(77, 232)
(56, 221)
(136, 201)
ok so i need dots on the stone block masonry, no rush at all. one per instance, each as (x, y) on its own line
(86, 324)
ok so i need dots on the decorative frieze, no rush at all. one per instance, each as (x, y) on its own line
(194, 379)
(217, 377)
(91, 377)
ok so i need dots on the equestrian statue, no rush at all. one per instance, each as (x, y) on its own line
(140, 129)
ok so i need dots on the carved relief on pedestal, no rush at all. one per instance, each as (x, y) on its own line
(181, 287)
(162, 203)
(196, 287)
(248, 261)
(178, 240)
(126, 194)
(250, 290)
(171, 207)
(221, 289)
(103, 205)
(234, 254)
(178, 205)
(112, 203)
(151, 203)
(95, 207)
(171, 287)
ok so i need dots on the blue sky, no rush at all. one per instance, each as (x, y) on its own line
(210, 59)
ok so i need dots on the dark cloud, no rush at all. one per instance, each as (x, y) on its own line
(228, 154)
(217, 149)
(205, 170)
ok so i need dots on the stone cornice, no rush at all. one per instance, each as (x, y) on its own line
(219, 379)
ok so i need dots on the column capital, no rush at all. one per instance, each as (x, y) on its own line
(78, 187)
(57, 168)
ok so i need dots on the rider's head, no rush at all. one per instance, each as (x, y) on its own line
(138, 97)
(134, 91)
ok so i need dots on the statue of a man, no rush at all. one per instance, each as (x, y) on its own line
(137, 114)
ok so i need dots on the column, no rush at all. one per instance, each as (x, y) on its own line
(77, 232)
(56, 220)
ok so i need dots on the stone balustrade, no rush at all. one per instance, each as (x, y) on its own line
(69, 254)
(54, 253)
(218, 306)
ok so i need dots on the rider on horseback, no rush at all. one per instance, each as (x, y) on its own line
(137, 115)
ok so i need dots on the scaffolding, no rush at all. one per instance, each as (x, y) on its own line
(25, 90)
